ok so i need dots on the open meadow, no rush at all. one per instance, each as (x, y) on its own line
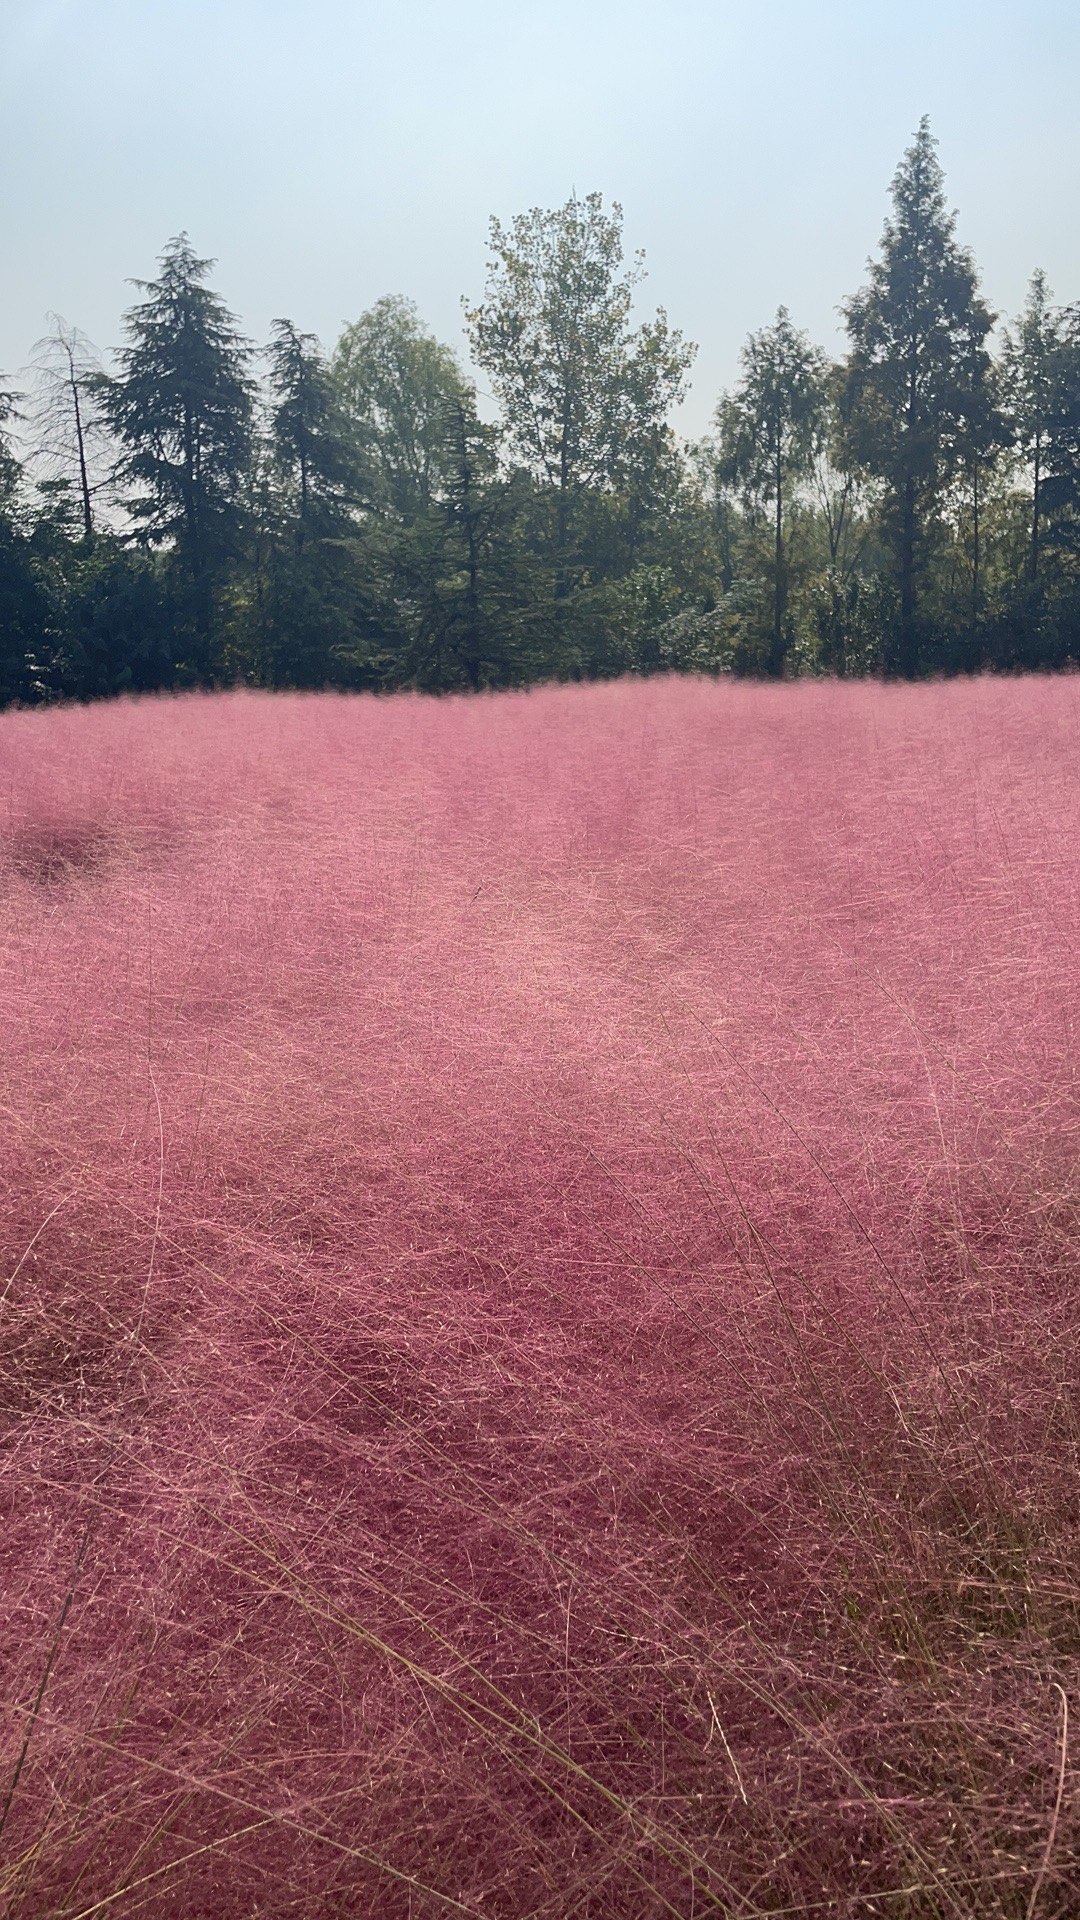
(539, 1370)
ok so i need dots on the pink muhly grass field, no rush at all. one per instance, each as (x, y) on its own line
(540, 1310)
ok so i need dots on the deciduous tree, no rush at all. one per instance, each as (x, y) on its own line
(770, 429)
(67, 415)
(398, 385)
(1030, 363)
(585, 395)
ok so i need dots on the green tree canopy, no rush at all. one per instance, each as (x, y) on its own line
(9, 465)
(314, 451)
(1041, 378)
(585, 395)
(399, 387)
(770, 428)
(23, 605)
(1031, 358)
(915, 330)
(181, 410)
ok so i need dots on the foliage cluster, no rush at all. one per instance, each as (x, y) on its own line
(355, 520)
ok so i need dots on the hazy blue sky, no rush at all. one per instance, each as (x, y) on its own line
(329, 152)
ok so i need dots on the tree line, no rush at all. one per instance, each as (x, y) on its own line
(202, 515)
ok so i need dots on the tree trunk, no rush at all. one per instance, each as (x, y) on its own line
(188, 484)
(562, 510)
(472, 628)
(975, 555)
(723, 527)
(1036, 504)
(80, 440)
(777, 662)
(908, 652)
(301, 524)
(907, 659)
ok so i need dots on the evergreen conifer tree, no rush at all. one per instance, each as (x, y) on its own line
(307, 594)
(181, 410)
(915, 330)
(314, 454)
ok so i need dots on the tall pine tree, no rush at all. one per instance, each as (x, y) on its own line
(916, 330)
(181, 410)
(314, 452)
(307, 595)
